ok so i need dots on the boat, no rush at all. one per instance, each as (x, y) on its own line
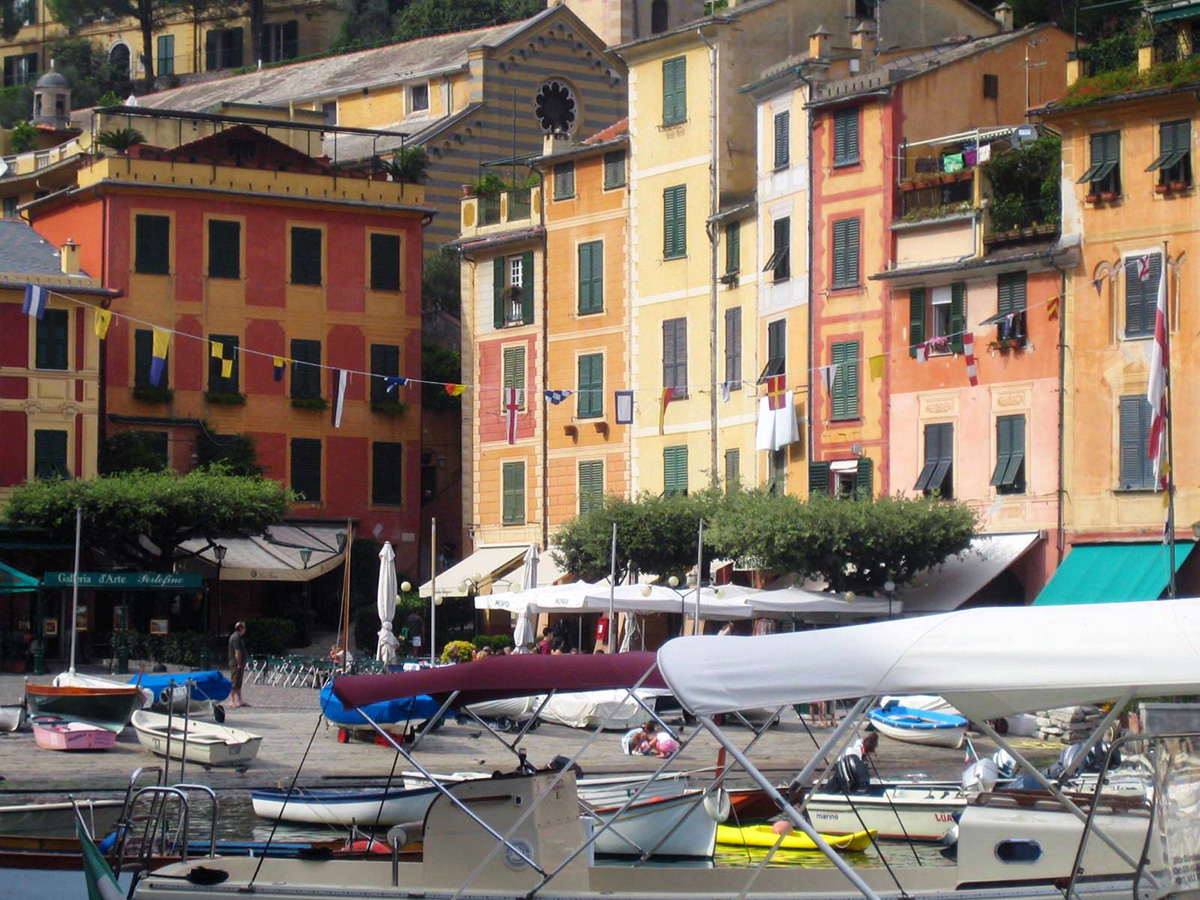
(607, 790)
(895, 810)
(12, 716)
(203, 742)
(368, 807)
(663, 826)
(199, 691)
(920, 726)
(78, 679)
(58, 819)
(53, 733)
(107, 708)
(765, 836)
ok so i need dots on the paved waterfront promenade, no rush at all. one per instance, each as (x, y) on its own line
(286, 717)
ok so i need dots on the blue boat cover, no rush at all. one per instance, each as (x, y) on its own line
(210, 685)
(416, 709)
(916, 719)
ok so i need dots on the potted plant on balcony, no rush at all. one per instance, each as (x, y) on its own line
(120, 140)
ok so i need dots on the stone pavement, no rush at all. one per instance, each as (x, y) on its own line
(288, 717)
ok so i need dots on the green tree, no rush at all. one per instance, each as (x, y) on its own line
(439, 365)
(235, 454)
(142, 517)
(365, 23)
(24, 137)
(150, 16)
(441, 284)
(421, 18)
(129, 451)
(1025, 184)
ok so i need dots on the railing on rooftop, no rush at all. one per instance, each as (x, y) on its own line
(512, 206)
(489, 209)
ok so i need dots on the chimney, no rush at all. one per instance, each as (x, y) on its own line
(1004, 15)
(862, 39)
(555, 142)
(818, 43)
(69, 257)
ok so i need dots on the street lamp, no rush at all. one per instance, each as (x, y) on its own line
(889, 588)
(305, 555)
(341, 541)
(219, 552)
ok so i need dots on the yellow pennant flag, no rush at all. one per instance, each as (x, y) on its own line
(876, 364)
(102, 321)
(162, 340)
(217, 349)
(227, 368)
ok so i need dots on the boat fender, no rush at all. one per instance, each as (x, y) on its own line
(369, 845)
(203, 875)
(109, 841)
(397, 836)
(717, 805)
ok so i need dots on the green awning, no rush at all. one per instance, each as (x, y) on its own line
(1112, 573)
(13, 581)
(1167, 13)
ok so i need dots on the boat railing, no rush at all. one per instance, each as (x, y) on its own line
(155, 839)
(125, 822)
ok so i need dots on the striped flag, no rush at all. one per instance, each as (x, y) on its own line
(455, 390)
(158, 355)
(35, 301)
(668, 395)
(512, 405)
(1160, 369)
(339, 397)
(969, 355)
(394, 383)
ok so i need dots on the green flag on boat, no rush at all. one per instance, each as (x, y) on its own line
(101, 883)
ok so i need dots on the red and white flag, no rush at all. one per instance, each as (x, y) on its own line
(969, 354)
(1160, 368)
(1143, 265)
(512, 405)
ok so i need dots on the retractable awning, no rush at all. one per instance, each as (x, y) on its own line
(800, 604)
(14, 581)
(275, 555)
(961, 577)
(1112, 573)
(481, 568)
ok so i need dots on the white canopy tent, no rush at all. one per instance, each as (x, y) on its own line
(801, 604)
(986, 662)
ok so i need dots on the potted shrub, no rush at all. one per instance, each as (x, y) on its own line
(1092, 198)
(120, 140)
(1108, 196)
(1179, 185)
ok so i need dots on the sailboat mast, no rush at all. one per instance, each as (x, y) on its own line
(75, 586)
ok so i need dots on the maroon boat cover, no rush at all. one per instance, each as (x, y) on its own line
(501, 677)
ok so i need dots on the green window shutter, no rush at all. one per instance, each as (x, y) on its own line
(675, 372)
(675, 470)
(499, 283)
(845, 137)
(675, 222)
(845, 382)
(564, 181)
(780, 261)
(52, 340)
(152, 240)
(217, 382)
(674, 90)
(385, 360)
(864, 482)
(385, 262)
(1141, 297)
(50, 454)
(306, 468)
(614, 169)
(591, 485)
(733, 347)
(387, 481)
(733, 467)
(514, 373)
(733, 247)
(958, 315)
(143, 353)
(776, 348)
(306, 374)
(306, 255)
(591, 277)
(1013, 479)
(527, 288)
(591, 386)
(513, 484)
(1137, 470)
(1011, 292)
(916, 319)
(782, 139)
(224, 249)
(1004, 445)
(845, 253)
(818, 479)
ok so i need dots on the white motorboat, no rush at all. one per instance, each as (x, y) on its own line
(608, 790)
(896, 810)
(12, 717)
(365, 807)
(206, 743)
(643, 826)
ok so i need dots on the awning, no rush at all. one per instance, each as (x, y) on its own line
(961, 577)
(274, 555)
(1112, 573)
(801, 604)
(481, 568)
(14, 581)
(1166, 12)
(548, 573)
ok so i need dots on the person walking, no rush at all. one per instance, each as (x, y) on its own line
(237, 663)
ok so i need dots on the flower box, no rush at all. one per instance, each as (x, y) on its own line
(1092, 198)
(1179, 185)
(1161, 188)
(1108, 196)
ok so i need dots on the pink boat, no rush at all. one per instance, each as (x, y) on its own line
(52, 733)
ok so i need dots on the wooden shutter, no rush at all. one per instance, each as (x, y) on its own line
(1133, 443)
(782, 140)
(675, 356)
(527, 288)
(733, 247)
(1004, 445)
(385, 262)
(674, 90)
(845, 253)
(780, 259)
(733, 347)
(513, 512)
(1010, 293)
(385, 360)
(958, 315)
(499, 283)
(845, 136)
(1016, 445)
(671, 209)
(864, 482)
(591, 277)
(591, 386)
(514, 372)
(50, 454)
(306, 468)
(306, 376)
(224, 249)
(675, 470)
(733, 467)
(845, 382)
(51, 340)
(777, 347)
(916, 319)
(306, 256)
(387, 482)
(668, 353)
(818, 479)
(591, 485)
(152, 238)
(614, 169)
(564, 181)
(1141, 297)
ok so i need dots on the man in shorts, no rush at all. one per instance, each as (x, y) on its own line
(237, 662)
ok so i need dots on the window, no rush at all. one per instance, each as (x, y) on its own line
(418, 98)
(783, 144)
(845, 381)
(1010, 305)
(659, 16)
(777, 471)
(385, 262)
(306, 372)
(564, 181)
(845, 253)
(733, 467)
(218, 383)
(733, 248)
(1137, 468)
(385, 361)
(51, 340)
(939, 310)
(387, 481)
(675, 374)
(991, 87)
(818, 479)
(1009, 474)
(330, 110)
(152, 239)
(143, 354)
(675, 470)
(939, 461)
(10, 207)
(224, 249)
(27, 12)
(20, 70)
(306, 469)
(512, 290)
(733, 347)
(166, 55)
(513, 511)
(50, 454)
(675, 222)
(779, 263)
(674, 91)
(614, 169)
(1174, 161)
(306, 255)
(845, 137)
(591, 485)
(514, 373)
(1141, 295)
(941, 326)
(591, 386)
(1104, 174)
(591, 277)
(280, 41)
(776, 350)
(157, 443)
(223, 49)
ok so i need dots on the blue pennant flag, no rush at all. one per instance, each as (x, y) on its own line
(557, 397)
(35, 301)
(394, 381)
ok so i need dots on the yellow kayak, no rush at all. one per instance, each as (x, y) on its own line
(765, 836)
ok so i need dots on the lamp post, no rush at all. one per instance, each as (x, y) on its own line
(889, 588)
(405, 587)
(219, 552)
(305, 556)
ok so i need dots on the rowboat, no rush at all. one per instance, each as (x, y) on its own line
(58, 819)
(78, 679)
(920, 726)
(896, 810)
(52, 733)
(12, 717)
(641, 827)
(329, 807)
(107, 708)
(765, 836)
(607, 790)
(206, 743)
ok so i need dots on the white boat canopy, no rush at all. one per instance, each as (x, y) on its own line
(958, 578)
(986, 662)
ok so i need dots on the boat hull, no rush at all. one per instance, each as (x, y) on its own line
(643, 825)
(58, 819)
(206, 744)
(71, 736)
(12, 717)
(920, 726)
(107, 708)
(364, 808)
(918, 813)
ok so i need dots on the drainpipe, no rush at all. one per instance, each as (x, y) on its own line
(713, 238)
(809, 203)
(545, 325)
(1062, 402)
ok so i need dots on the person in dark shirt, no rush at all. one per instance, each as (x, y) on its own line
(237, 662)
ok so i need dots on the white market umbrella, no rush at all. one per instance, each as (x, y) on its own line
(385, 601)
(524, 630)
(531, 564)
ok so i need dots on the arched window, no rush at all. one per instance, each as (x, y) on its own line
(659, 16)
(118, 60)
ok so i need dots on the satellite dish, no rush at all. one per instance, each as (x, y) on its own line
(1024, 134)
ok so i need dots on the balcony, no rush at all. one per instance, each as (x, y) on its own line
(493, 211)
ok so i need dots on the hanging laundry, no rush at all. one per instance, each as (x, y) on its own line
(158, 355)
(724, 391)
(968, 341)
(624, 406)
(776, 427)
(952, 162)
(393, 382)
(970, 157)
(875, 363)
(102, 321)
(984, 154)
(339, 397)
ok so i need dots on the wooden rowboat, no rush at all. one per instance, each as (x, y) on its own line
(52, 733)
(207, 744)
(107, 708)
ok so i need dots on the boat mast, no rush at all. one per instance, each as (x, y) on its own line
(75, 586)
